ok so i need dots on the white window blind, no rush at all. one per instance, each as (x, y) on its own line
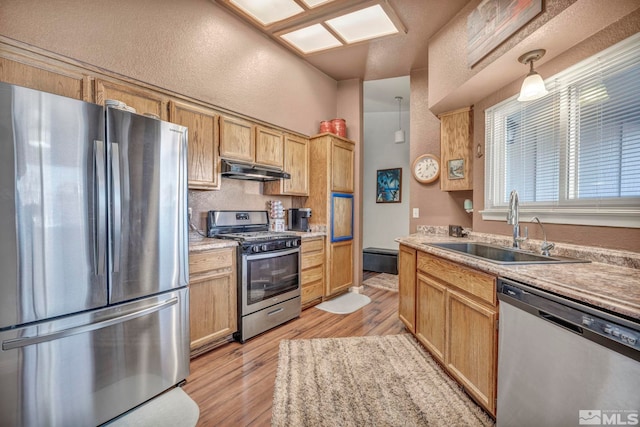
(573, 155)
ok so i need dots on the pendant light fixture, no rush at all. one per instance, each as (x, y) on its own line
(533, 85)
(399, 136)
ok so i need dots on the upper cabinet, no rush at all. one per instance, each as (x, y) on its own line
(45, 77)
(269, 147)
(246, 142)
(145, 102)
(342, 160)
(237, 139)
(456, 137)
(204, 163)
(296, 163)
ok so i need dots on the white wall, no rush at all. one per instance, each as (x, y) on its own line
(383, 222)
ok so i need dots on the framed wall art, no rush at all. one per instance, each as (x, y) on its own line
(494, 21)
(456, 169)
(389, 185)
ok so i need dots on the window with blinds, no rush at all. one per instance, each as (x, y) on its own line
(573, 155)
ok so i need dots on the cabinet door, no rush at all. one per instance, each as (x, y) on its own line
(212, 297)
(269, 147)
(296, 163)
(341, 217)
(431, 315)
(340, 267)
(204, 169)
(342, 164)
(145, 102)
(472, 347)
(237, 139)
(407, 287)
(56, 81)
(212, 309)
(456, 135)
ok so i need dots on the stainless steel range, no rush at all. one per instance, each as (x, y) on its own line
(268, 270)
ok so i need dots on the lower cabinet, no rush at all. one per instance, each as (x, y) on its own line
(312, 271)
(407, 287)
(212, 298)
(340, 268)
(456, 321)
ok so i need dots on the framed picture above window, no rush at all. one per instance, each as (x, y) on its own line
(389, 185)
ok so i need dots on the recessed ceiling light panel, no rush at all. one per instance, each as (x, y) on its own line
(311, 39)
(268, 12)
(363, 24)
(314, 3)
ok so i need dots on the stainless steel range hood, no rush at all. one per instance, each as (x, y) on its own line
(250, 172)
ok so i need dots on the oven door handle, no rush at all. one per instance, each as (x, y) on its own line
(272, 254)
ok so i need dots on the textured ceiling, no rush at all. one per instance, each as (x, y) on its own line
(382, 60)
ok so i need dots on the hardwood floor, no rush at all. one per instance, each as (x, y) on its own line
(233, 384)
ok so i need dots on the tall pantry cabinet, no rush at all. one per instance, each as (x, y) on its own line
(331, 186)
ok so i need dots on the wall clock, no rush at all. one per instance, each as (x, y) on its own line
(426, 168)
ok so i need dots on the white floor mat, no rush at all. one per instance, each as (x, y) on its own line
(345, 304)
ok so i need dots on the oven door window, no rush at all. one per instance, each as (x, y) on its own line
(272, 276)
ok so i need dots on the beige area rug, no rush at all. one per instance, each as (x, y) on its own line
(385, 281)
(367, 381)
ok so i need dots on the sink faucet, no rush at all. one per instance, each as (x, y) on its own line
(513, 218)
(546, 246)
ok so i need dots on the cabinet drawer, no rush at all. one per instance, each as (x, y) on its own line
(312, 274)
(472, 281)
(312, 246)
(312, 260)
(200, 262)
(312, 291)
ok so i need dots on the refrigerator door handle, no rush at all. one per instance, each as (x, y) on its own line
(24, 342)
(117, 205)
(100, 209)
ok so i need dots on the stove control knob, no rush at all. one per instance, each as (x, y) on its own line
(264, 248)
(288, 244)
(255, 248)
(294, 243)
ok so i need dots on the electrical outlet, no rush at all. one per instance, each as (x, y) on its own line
(190, 213)
(416, 212)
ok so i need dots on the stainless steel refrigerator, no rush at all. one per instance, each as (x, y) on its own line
(94, 315)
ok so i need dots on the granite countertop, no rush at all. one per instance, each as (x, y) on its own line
(198, 243)
(614, 285)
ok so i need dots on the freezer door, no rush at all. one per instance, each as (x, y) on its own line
(86, 369)
(51, 158)
(149, 240)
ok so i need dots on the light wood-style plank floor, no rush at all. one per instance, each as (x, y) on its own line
(233, 384)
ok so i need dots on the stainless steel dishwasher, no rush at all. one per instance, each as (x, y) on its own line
(563, 363)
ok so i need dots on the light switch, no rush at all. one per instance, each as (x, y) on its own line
(416, 212)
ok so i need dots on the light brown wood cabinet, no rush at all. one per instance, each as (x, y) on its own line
(456, 320)
(269, 147)
(144, 101)
(33, 74)
(247, 142)
(456, 139)
(407, 287)
(204, 163)
(312, 270)
(212, 298)
(296, 163)
(237, 139)
(331, 183)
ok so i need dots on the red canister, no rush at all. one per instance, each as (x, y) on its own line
(325, 126)
(339, 127)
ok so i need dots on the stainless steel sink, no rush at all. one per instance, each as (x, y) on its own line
(501, 255)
